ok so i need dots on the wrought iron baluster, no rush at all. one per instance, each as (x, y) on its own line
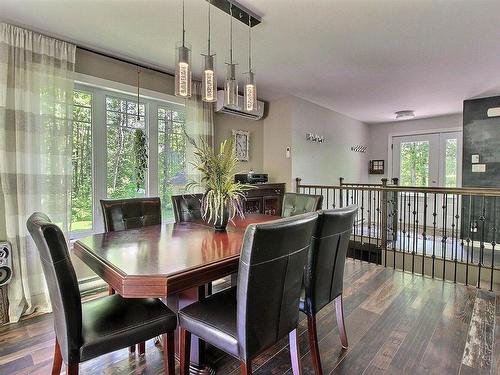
(362, 222)
(434, 215)
(444, 229)
(482, 219)
(424, 234)
(415, 226)
(454, 238)
(468, 242)
(493, 242)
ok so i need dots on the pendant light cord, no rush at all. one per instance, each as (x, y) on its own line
(231, 33)
(183, 25)
(249, 44)
(209, 24)
(138, 116)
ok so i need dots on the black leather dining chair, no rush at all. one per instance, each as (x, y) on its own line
(297, 204)
(88, 330)
(264, 307)
(130, 213)
(187, 207)
(323, 279)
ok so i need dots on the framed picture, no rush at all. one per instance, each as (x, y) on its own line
(376, 167)
(241, 144)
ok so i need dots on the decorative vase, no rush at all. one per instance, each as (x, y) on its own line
(221, 223)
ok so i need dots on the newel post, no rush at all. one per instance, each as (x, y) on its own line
(341, 192)
(385, 213)
(297, 184)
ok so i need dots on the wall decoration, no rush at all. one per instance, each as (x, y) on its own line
(376, 167)
(241, 144)
(359, 148)
(315, 138)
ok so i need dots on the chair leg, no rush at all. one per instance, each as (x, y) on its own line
(142, 348)
(339, 311)
(111, 291)
(246, 367)
(313, 344)
(185, 351)
(168, 353)
(72, 369)
(57, 363)
(295, 353)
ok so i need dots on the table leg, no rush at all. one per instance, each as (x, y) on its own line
(198, 365)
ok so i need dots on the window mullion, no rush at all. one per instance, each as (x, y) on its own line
(100, 156)
(152, 132)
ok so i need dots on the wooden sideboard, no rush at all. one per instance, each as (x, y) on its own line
(265, 199)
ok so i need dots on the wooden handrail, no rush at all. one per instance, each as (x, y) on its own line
(493, 192)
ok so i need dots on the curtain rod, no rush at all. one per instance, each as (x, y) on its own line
(124, 60)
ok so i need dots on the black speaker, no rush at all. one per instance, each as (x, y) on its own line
(5, 263)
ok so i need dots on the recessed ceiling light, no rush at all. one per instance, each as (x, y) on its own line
(404, 115)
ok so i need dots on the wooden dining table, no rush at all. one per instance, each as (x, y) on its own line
(172, 261)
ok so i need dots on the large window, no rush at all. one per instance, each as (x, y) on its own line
(171, 156)
(81, 193)
(104, 157)
(122, 123)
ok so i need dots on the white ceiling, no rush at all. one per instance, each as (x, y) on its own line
(364, 58)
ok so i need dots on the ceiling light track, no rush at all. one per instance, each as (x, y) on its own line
(239, 12)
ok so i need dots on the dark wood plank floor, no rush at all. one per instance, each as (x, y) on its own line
(396, 322)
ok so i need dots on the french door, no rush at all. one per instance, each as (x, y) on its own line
(428, 160)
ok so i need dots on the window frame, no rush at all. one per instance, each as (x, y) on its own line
(100, 89)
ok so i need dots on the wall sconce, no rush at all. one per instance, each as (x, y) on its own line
(315, 138)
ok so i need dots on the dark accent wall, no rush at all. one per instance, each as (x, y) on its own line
(481, 136)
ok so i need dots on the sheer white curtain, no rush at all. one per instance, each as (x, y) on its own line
(36, 90)
(199, 124)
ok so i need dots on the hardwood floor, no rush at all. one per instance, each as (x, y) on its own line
(396, 323)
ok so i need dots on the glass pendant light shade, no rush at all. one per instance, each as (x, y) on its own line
(250, 93)
(209, 80)
(231, 87)
(183, 73)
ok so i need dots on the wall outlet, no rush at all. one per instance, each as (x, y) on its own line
(479, 168)
(475, 158)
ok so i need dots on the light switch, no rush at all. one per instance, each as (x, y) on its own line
(479, 168)
(475, 158)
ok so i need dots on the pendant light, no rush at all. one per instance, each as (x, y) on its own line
(231, 85)
(183, 71)
(209, 78)
(250, 85)
(137, 122)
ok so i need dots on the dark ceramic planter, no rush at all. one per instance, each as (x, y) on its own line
(220, 225)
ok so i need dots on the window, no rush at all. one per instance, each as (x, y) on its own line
(104, 133)
(81, 193)
(414, 163)
(171, 156)
(121, 124)
(451, 162)
(428, 160)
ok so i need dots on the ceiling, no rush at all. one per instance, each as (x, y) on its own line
(363, 58)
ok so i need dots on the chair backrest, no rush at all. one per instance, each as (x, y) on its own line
(298, 204)
(61, 282)
(187, 207)
(325, 267)
(120, 214)
(271, 269)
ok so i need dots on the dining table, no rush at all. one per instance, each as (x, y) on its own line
(171, 261)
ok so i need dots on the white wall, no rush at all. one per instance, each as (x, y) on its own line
(379, 135)
(324, 163)
(223, 127)
(278, 136)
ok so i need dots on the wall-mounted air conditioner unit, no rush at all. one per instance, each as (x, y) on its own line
(221, 107)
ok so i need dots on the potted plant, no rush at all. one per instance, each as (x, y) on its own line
(141, 158)
(223, 197)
